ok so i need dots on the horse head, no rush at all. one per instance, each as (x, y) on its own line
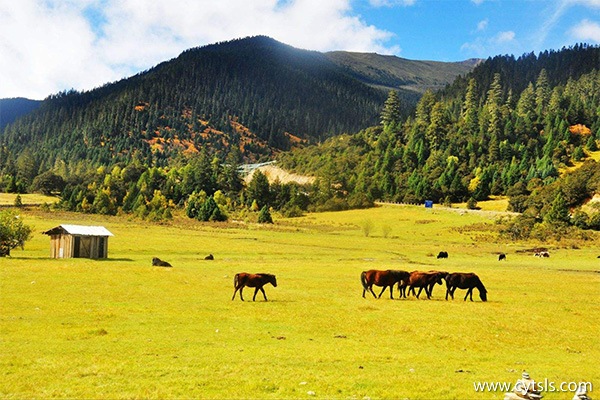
(439, 276)
(272, 280)
(483, 294)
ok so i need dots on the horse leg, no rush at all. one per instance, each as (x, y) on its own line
(382, 290)
(241, 297)
(420, 290)
(234, 292)
(447, 291)
(470, 291)
(263, 292)
(371, 289)
(255, 291)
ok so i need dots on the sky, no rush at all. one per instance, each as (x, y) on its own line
(48, 46)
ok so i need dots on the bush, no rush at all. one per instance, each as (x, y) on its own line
(13, 232)
(264, 217)
(472, 204)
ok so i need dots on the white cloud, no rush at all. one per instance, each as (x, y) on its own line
(52, 45)
(504, 37)
(482, 25)
(501, 43)
(391, 3)
(586, 30)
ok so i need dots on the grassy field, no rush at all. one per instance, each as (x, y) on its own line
(120, 328)
(8, 199)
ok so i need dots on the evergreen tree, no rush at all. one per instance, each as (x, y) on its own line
(391, 113)
(264, 216)
(558, 212)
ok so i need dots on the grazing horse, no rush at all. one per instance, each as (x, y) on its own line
(442, 254)
(465, 281)
(157, 262)
(501, 257)
(383, 278)
(209, 257)
(256, 281)
(425, 280)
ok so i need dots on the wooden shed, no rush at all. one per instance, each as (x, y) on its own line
(78, 241)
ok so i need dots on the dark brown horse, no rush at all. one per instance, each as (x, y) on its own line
(383, 278)
(425, 280)
(465, 281)
(256, 281)
(157, 262)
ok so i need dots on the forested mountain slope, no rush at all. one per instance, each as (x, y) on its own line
(508, 127)
(394, 73)
(254, 94)
(13, 108)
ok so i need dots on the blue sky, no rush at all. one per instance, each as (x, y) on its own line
(51, 45)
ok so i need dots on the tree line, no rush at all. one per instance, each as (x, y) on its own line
(490, 133)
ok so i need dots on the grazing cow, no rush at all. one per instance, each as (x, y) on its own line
(425, 280)
(209, 257)
(442, 254)
(256, 281)
(157, 262)
(384, 278)
(465, 281)
(501, 257)
(543, 254)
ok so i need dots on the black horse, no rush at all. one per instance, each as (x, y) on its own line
(465, 281)
(256, 281)
(157, 262)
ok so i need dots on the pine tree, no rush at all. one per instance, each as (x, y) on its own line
(391, 113)
(264, 216)
(559, 212)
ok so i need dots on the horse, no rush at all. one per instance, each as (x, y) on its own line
(425, 280)
(383, 278)
(209, 257)
(442, 254)
(157, 262)
(256, 281)
(501, 257)
(465, 281)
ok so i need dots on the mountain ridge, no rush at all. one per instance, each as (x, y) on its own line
(272, 89)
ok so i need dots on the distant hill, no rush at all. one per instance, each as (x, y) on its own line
(393, 73)
(11, 109)
(254, 94)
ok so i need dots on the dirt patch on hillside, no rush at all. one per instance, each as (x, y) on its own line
(274, 173)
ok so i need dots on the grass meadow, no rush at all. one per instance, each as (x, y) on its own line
(120, 328)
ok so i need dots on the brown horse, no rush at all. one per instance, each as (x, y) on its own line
(382, 278)
(425, 280)
(465, 281)
(256, 281)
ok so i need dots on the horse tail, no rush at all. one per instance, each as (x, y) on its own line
(363, 280)
(236, 280)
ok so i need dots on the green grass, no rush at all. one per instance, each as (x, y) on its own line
(8, 199)
(119, 328)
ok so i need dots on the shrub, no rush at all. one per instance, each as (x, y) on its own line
(264, 217)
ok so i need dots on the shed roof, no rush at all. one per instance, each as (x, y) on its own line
(81, 230)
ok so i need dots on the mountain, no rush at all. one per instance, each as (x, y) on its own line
(13, 108)
(511, 127)
(394, 73)
(254, 94)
